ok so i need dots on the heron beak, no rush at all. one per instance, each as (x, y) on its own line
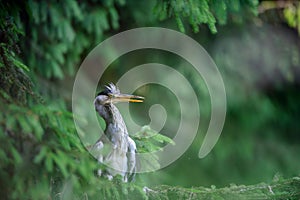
(126, 98)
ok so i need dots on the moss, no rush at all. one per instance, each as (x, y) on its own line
(280, 189)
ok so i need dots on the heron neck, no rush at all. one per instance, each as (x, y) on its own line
(115, 118)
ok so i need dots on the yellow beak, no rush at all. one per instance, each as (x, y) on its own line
(126, 98)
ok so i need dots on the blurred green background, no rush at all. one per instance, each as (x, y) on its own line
(255, 44)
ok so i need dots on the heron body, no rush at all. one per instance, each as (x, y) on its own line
(115, 148)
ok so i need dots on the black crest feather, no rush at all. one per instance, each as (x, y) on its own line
(109, 89)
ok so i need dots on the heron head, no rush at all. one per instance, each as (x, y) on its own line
(112, 94)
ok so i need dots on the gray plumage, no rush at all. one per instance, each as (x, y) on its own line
(115, 148)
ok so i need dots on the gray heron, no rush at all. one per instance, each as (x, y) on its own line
(115, 148)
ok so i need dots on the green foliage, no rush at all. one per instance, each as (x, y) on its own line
(149, 140)
(45, 157)
(292, 15)
(40, 143)
(60, 33)
(203, 12)
(289, 11)
(41, 155)
(13, 81)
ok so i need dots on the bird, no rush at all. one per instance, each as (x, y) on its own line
(115, 148)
